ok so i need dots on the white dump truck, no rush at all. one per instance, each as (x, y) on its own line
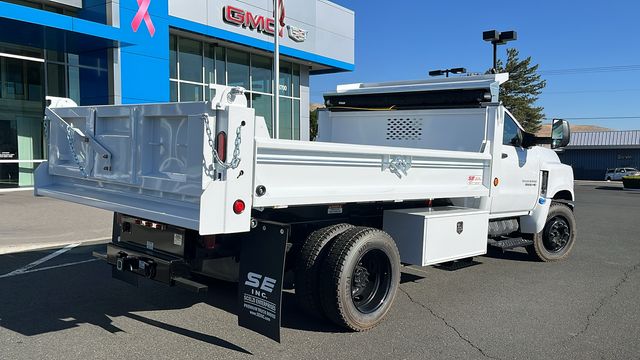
(420, 172)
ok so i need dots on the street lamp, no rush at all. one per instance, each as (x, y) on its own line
(447, 71)
(498, 38)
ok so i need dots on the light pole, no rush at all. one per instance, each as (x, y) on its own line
(498, 38)
(276, 68)
(446, 72)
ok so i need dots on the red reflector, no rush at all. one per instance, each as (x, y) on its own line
(238, 206)
(221, 145)
(209, 242)
(138, 221)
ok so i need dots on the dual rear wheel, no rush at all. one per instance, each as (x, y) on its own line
(349, 275)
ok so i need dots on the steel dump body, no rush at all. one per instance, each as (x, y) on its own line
(155, 161)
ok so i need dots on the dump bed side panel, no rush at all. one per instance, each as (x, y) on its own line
(302, 173)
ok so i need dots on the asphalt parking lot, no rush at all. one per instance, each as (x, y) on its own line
(506, 307)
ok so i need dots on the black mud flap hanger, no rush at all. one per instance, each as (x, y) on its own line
(261, 276)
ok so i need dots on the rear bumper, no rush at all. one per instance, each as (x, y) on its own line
(151, 265)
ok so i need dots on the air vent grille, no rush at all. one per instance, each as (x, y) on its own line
(404, 129)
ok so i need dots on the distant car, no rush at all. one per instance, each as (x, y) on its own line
(619, 173)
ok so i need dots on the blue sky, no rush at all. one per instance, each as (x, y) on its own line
(409, 38)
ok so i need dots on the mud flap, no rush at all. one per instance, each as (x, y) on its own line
(261, 276)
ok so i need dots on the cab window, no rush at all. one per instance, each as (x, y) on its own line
(511, 133)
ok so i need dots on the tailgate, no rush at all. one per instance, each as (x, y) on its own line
(154, 161)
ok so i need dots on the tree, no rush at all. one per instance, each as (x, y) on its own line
(313, 124)
(520, 93)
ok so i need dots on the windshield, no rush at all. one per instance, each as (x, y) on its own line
(631, 170)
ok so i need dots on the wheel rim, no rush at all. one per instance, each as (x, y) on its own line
(557, 234)
(371, 281)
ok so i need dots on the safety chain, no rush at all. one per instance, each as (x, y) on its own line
(235, 160)
(72, 147)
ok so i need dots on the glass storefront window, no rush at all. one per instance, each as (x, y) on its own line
(190, 92)
(296, 119)
(13, 79)
(56, 83)
(237, 68)
(34, 81)
(8, 151)
(209, 65)
(21, 109)
(285, 78)
(221, 66)
(285, 119)
(190, 57)
(261, 74)
(233, 67)
(74, 84)
(173, 57)
(262, 104)
(173, 90)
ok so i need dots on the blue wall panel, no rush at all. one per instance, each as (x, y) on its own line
(591, 164)
(145, 64)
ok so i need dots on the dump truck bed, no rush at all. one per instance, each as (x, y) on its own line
(156, 161)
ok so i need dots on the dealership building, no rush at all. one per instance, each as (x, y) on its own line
(140, 51)
(590, 154)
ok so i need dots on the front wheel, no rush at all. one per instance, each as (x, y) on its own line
(556, 240)
(360, 278)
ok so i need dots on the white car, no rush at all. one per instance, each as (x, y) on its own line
(619, 173)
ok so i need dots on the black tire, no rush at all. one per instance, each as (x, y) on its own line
(608, 178)
(360, 278)
(307, 269)
(555, 241)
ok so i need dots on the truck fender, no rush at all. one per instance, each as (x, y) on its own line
(534, 222)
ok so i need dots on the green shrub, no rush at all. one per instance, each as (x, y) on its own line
(631, 182)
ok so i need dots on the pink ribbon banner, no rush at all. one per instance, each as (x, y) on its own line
(143, 14)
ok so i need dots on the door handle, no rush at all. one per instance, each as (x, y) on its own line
(504, 156)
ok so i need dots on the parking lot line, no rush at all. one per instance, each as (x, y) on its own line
(15, 273)
(40, 261)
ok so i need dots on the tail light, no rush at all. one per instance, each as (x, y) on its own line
(238, 207)
(221, 145)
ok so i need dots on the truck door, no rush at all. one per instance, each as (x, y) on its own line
(518, 173)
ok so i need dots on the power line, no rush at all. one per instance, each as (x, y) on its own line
(591, 70)
(595, 118)
(588, 91)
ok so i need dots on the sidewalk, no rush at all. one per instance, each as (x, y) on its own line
(28, 222)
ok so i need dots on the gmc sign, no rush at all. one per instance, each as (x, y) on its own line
(266, 25)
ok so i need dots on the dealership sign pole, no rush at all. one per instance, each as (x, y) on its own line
(276, 67)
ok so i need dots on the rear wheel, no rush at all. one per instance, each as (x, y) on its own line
(360, 278)
(307, 270)
(556, 240)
